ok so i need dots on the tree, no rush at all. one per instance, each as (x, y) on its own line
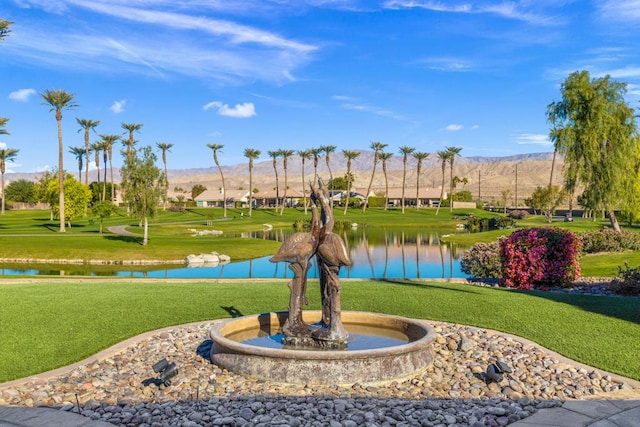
(130, 142)
(21, 190)
(286, 154)
(405, 151)
(78, 153)
(6, 155)
(315, 153)
(453, 152)
(4, 28)
(384, 157)
(251, 154)
(103, 209)
(142, 185)
(274, 156)
(59, 100)
(109, 141)
(505, 195)
(87, 125)
(76, 201)
(3, 123)
(377, 147)
(595, 130)
(215, 148)
(351, 155)
(96, 147)
(327, 150)
(197, 190)
(164, 147)
(546, 199)
(304, 155)
(420, 157)
(444, 158)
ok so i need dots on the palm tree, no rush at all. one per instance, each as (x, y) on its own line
(96, 147)
(78, 153)
(315, 153)
(286, 154)
(444, 158)
(384, 157)
(87, 125)
(351, 155)
(165, 146)
(274, 155)
(130, 142)
(377, 147)
(6, 155)
(327, 150)
(59, 100)
(420, 157)
(251, 153)
(109, 141)
(405, 151)
(453, 152)
(3, 123)
(304, 155)
(215, 148)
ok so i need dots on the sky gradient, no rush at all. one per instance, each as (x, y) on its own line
(295, 74)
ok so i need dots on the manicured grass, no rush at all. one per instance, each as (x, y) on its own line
(51, 324)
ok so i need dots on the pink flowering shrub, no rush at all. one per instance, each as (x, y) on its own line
(538, 257)
(483, 260)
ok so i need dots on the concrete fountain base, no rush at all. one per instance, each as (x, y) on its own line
(323, 366)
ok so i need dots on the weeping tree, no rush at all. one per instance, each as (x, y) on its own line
(142, 185)
(595, 131)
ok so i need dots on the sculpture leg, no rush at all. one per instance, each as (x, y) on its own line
(324, 294)
(294, 326)
(336, 331)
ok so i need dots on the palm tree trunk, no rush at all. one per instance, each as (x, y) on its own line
(304, 192)
(60, 173)
(441, 187)
(3, 195)
(145, 237)
(404, 179)
(373, 173)
(386, 189)
(284, 196)
(113, 190)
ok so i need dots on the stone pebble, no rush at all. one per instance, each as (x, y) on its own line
(122, 389)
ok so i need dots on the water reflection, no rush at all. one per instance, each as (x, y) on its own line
(375, 253)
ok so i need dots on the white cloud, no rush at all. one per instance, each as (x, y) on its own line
(475, 127)
(448, 64)
(22, 94)
(350, 103)
(118, 106)
(454, 127)
(532, 138)
(3, 145)
(519, 11)
(241, 111)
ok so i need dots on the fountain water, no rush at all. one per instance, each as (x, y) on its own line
(315, 344)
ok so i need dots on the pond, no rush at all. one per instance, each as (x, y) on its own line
(375, 253)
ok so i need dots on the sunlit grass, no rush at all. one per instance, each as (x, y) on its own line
(47, 325)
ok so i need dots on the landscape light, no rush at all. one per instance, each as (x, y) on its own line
(166, 370)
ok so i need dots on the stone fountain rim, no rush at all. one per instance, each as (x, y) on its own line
(314, 315)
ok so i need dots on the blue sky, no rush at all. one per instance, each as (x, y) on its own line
(270, 74)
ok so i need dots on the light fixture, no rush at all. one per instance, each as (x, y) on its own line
(166, 370)
(495, 371)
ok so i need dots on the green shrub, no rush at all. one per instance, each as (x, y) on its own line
(627, 282)
(608, 240)
(518, 214)
(483, 260)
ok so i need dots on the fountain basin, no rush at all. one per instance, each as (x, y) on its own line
(323, 366)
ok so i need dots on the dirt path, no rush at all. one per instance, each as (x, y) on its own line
(121, 230)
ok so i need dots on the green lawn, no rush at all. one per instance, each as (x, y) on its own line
(51, 324)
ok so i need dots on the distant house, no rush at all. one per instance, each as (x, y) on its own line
(428, 196)
(215, 198)
(267, 199)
